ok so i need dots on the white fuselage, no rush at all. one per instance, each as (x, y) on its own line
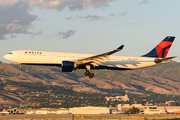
(56, 58)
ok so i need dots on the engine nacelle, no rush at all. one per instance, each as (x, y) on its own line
(68, 66)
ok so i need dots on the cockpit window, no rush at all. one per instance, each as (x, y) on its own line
(10, 53)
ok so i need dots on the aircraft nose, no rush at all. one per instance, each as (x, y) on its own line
(6, 57)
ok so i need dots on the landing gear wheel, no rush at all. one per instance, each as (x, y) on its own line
(91, 75)
(20, 68)
(87, 73)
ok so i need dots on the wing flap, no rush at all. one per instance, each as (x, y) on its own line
(94, 64)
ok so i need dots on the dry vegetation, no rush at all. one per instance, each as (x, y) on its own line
(162, 79)
(89, 117)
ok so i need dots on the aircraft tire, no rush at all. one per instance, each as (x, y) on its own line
(87, 73)
(91, 75)
(20, 68)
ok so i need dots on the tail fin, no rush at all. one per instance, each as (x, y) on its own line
(162, 49)
(165, 109)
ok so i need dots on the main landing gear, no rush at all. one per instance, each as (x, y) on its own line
(88, 73)
(20, 67)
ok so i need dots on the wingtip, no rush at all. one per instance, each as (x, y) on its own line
(121, 47)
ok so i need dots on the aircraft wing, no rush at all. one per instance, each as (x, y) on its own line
(97, 59)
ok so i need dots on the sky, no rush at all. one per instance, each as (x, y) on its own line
(88, 26)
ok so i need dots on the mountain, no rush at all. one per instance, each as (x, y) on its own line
(161, 79)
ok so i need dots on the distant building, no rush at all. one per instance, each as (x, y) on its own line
(148, 104)
(90, 110)
(75, 110)
(117, 112)
(48, 111)
(124, 107)
(118, 98)
(43, 112)
(170, 103)
(63, 111)
(154, 111)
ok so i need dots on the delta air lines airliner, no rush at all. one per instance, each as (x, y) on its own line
(69, 62)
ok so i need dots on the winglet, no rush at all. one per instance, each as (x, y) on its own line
(121, 47)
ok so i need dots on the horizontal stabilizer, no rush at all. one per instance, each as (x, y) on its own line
(159, 60)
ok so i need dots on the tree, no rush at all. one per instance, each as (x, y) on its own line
(132, 110)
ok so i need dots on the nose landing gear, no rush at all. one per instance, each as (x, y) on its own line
(20, 67)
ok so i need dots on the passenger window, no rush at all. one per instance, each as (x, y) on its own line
(10, 53)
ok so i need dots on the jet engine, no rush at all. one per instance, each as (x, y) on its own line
(68, 66)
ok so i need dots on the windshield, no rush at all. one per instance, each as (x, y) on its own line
(10, 53)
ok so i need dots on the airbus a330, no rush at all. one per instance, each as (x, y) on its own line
(69, 62)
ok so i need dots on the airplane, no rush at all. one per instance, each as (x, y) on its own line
(172, 112)
(4, 113)
(69, 62)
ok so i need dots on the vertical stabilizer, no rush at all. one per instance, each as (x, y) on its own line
(165, 109)
(162, 49)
